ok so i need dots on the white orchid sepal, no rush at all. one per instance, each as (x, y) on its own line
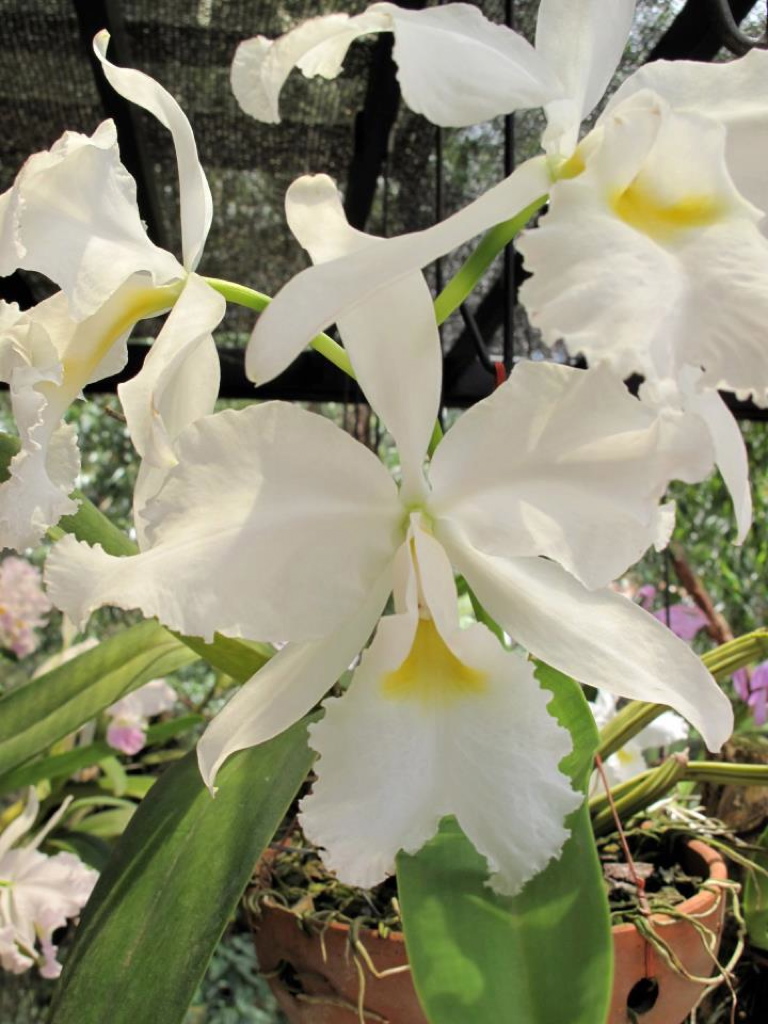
(454, 66)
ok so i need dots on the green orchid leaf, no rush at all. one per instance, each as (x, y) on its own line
(172, 884)
(476, 956)
(755, 904)
(239, 659)
(35, 716)
(115, 774)
(61, 766)
(106, 824)
(92, 850)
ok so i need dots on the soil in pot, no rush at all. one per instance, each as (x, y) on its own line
(336, 955)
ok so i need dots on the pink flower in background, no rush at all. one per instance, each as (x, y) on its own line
(741, 683)
(24, 606)
(38, 894)
(754, 690)
(127, 732)
(685, 620)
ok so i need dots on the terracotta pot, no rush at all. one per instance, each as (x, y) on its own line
(315, 979)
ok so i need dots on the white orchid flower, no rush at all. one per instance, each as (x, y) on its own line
(38, 894)
(630, 761)
(650, 258)
(275, 524)
(129, 716)
(71, 214)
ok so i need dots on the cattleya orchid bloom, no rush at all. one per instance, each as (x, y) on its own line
(129, 716)
(651, 257)
(752, 688)
(38, 894)
(274, 524)
(72, 215)
(629, 761)
(24, 606)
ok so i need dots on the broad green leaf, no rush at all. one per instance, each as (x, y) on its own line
(484, 958)
(95, 852)
(172, 883)
(106, 824)
(114, 772)
(63, 765)
(239, 659)
(755, 905)
(54, 705)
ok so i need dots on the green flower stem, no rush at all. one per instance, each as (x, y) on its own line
(463, 282)
(252, 299)
(725, 773)
(649, 787)
(722, 662)
(639, 792)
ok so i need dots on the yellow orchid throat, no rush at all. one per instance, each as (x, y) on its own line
(116, 317)
(639, 208)
(432, 674)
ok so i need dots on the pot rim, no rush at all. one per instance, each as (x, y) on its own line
(701, 903)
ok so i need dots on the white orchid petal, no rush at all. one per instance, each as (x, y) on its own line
(153, 698)
(19, 827)
(583, 481)
(582, 42)
(318, 46)
(72, 212)
(462, 729)
(47, 358)
(274, 525)
(42, 474)
(194, 193)
(36, 494)
(730, 454)
(38, 893)
(598, 637)
(457, 68)
(454, 66)
(732, 94)
(44, 892)
(658, 268)
(12, 250)
(179, 381)
(289, 686)
(391, 337)
(318, 295)
(728, 278)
